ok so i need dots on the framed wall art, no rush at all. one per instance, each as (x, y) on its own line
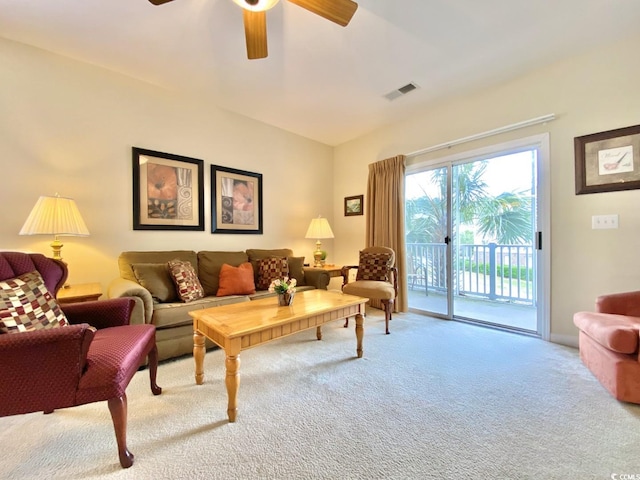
(608, 161)
(353, 205)
(167, 191)
(236, 201)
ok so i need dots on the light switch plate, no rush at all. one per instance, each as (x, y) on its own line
(604, 221)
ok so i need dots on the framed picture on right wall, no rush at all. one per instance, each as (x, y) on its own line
(608, 161)
(354, 205)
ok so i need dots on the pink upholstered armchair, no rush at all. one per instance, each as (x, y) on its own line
(53, 368)
(609, 341)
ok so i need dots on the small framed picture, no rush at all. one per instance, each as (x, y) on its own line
(167, 191)
(353, 205)
(608, 161)
(236, 201)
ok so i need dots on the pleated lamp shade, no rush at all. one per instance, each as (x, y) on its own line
(57, 216)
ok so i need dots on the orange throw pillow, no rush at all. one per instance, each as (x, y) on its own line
(236, 280)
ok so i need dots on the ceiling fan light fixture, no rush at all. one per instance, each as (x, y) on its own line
(256, 5)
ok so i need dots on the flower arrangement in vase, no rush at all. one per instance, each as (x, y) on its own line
(285, 288)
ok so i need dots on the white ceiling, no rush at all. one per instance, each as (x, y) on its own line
(321, 81)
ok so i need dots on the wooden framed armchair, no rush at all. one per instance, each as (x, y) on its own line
(377, 279)
(89, 355)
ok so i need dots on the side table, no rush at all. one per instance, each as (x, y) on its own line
(332, 270)
(83, 292)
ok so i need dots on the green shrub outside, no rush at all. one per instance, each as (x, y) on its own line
(504, 271)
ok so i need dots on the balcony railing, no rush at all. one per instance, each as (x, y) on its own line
(493, 271)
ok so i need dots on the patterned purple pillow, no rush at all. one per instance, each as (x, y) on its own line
(187, 283)
(374, 266)
(270, 269)
(26, 304)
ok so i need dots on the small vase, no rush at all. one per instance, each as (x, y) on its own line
(285, 299)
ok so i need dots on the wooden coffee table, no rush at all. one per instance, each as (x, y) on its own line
(245, 325)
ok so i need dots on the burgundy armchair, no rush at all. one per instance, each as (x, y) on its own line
(49, 369)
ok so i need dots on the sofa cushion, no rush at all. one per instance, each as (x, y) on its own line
(270, 269)
(26, 304)
(236, 280)
(209, 266)
(156, 278)
(170, 315)
(374, 266)
(127, 259)
(296, 269)
(256, 254)
(615, 332)
(186, 280)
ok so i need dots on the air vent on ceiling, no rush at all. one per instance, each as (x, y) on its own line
(409, 87)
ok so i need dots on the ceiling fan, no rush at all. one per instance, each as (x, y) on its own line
(255, 18)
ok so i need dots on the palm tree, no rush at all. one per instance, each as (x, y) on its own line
(504, 219)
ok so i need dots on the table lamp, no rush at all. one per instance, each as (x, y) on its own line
(318, 228)
(57, 216)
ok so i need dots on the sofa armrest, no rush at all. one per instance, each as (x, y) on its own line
(316, 277)
(41, 369)
(626, 303)
(143, 307)
(114, 312)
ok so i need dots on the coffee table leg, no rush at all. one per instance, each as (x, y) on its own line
(198, 356)
(232, 381)
(319, 333)
(359, 334)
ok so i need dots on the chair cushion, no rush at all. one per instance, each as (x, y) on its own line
(186, 280)
(372, 289)
(236, 280)
(114, 356)
(616, 332)
(156, 278)
(270, 269)
(26, 304)
(374, 266)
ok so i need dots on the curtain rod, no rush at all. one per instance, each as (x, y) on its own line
(488, 133)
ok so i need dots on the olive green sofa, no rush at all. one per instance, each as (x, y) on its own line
(157, 304)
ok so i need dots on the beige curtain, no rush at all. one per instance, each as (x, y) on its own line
(385, 217)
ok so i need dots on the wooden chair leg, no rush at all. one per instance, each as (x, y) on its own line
(153, 370)
(388, 309)
(118, 409)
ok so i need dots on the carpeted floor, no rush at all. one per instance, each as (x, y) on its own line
(433, 400)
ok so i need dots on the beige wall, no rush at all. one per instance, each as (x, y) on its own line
(68, 127)
(591, 93)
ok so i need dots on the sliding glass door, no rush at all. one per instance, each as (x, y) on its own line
(473, 239)
(428, 209)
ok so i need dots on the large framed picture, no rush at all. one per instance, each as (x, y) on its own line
(608, 161)
(167, 191)
(236, 201)
(353, 205)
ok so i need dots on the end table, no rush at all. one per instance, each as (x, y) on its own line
(83, 292)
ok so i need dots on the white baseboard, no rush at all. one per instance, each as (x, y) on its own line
(568, 340)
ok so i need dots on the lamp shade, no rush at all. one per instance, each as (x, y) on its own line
(55, 216)
(319, 228)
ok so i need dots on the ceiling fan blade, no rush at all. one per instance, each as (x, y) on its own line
(255, 32)
(338, 11)
(159, 2)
